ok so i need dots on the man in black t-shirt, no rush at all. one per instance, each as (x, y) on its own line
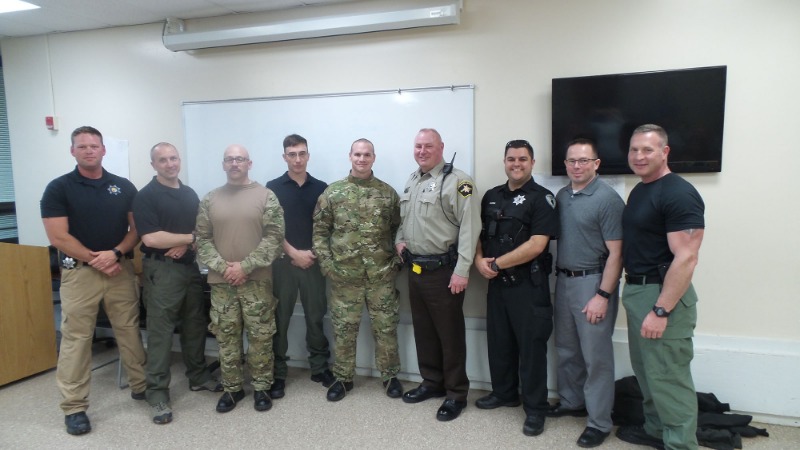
(663, 228)
(87, 217)
(165, 212)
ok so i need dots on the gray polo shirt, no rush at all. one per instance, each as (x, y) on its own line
(589, 217)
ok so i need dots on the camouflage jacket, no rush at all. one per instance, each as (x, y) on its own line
(355, 222)
(239, 224)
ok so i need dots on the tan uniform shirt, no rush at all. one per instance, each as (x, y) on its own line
(437, 212)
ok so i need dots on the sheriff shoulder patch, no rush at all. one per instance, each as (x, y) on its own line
(551, 201)
(465, 189)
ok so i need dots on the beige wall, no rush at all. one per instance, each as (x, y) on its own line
(124, 82)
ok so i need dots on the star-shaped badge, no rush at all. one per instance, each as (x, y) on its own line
(520, 199)
(114, 189)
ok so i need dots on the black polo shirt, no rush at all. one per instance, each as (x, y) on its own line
(162, 208)
(298, 204)
(532, 206)
(96, 210)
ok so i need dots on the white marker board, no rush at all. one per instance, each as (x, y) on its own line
(330, 123)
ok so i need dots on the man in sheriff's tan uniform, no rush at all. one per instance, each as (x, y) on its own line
(437, 237)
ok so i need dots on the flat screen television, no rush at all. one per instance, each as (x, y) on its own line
(688, 103)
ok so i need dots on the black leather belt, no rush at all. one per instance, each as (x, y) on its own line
(578, 273)
(642, 279)
(160, 257)
(69, 263)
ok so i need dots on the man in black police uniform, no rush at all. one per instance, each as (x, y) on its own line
(298, 268)
(519, 219)
(87, 217)
(165, 212)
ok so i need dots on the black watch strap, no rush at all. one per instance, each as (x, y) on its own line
(603, 293)
(494, 267)
(117, 253)
(660, 311)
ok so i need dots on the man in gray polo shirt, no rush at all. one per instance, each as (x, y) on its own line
(588, 267)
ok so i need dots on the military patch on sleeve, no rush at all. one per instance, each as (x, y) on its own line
(551, 200)
(465, 189)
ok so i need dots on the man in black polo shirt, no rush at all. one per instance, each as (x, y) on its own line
(165, 212)
(298, 269)
(87, 217)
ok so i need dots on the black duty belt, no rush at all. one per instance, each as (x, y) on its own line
(642, 279)
(429, 262)
(160, 257)
(578, 273)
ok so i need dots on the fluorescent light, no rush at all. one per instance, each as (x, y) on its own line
(15, 5)
(254, 28)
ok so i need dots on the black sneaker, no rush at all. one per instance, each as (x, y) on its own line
(325, 377)
(77, 423)
(637, 435)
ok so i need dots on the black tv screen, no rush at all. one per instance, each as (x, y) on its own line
(688, 103)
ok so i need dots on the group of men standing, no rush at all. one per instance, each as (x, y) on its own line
(264, 245)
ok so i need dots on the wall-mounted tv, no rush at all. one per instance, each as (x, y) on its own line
(688, 103)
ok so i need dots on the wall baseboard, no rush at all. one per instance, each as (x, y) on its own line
(755, 376)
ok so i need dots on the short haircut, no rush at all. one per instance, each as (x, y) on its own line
(364, 140)
(86, 130)
(160, 144)
(294, 139)
(652, 128)
(519, 143)
(582, 141)
(431, 130)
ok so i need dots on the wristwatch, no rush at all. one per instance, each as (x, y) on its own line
(117, 253)
(660, 311)
(494, 267)
(603, 293)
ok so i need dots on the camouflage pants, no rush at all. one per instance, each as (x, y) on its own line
(346, 303)
(251, 306)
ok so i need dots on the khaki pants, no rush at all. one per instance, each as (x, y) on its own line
(82, 290)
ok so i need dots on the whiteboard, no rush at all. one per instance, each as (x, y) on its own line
(330, 123)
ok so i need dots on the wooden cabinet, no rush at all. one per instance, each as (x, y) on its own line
(27, 327)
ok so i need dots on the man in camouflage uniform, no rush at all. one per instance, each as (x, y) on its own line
(239, 235)
(355, 222)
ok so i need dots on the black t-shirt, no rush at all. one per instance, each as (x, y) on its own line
(298, 204)
(520, 214)
(162, 208)
(96, 210)
(654, 209)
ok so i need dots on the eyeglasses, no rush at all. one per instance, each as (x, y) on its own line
(581, 162)
(231, 159)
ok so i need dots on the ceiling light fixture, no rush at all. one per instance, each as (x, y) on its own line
(304, 23)
(15, 5)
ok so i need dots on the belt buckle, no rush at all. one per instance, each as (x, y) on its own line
(68, 263)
